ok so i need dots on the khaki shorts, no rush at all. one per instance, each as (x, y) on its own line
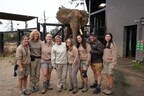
(97, 66)
(108, 68)
(46, 65)
(25, 72)
(82, 63)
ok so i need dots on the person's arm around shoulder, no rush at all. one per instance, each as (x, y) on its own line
(88, 48)
(53, 57)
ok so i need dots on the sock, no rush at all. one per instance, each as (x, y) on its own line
(98, 86)
(48, 81)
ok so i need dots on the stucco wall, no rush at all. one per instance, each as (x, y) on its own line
(120, 13)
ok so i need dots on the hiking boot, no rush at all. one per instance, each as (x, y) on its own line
(82, 86)
(43, 91)
(59, 89)
(22, 93)
(36, 89)
(94, 85)
(26, 92)
(85, 87)
(75, 90)
(97, 90)
(71, 88)
(32, 90)
(49, 87)
(64, 87)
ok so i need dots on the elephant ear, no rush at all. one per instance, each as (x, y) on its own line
(62, 15)
(84, 18)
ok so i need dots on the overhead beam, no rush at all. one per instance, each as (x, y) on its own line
(96, 12)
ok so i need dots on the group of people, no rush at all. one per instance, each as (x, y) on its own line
(65, 57)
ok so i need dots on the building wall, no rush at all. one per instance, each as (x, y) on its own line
(120, 13)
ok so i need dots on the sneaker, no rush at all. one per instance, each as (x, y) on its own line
(108, 92)
(97, 91)
(105, 90)
(94, 85)
(84, 89)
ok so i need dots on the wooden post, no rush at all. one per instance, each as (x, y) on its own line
(18, 37)
(44, 31)
(62, 33)
(38, 27)
(1, 44)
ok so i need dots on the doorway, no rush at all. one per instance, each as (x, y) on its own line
(131, 34)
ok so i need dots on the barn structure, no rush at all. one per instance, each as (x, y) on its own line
(124, 19)
(16, 17)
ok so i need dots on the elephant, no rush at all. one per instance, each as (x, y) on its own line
(76, 19)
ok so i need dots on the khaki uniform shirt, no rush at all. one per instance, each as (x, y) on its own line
(73, 57)
(46, 51)
(23, 55)
(35, 48)
(84, 54)
(110, 54)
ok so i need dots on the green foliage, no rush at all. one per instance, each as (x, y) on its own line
(120, 84)
(139, 67)
(10, 36)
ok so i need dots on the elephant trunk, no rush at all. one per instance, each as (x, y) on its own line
(75, 30)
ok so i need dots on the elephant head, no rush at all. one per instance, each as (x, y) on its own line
(73, 17)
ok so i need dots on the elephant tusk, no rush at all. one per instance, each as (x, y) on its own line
(81, 32)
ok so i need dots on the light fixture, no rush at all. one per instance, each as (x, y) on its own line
(102, 5)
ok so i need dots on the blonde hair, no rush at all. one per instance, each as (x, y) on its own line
(72, 44)
(34, 32)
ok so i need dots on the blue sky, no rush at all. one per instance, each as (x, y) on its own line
(34, 8)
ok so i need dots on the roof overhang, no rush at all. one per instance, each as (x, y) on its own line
(10, 16)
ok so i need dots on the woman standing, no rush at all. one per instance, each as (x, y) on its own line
(109, 62)
(46, 62)
(73, 65)
(35, 50)
(85, 58)
(23, 61)
(59, 62)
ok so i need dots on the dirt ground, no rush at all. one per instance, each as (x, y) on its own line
(133, 81)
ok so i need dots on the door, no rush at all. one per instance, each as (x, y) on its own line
(131, 34)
